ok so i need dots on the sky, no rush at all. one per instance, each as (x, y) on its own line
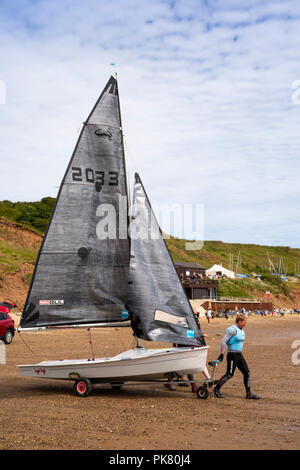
(210, 100)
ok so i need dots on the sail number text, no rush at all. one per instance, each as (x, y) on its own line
(94, 176)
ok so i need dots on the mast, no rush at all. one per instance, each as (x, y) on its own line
(123, 147)
(138, 342)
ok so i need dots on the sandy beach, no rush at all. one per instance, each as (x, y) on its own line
(45, 414)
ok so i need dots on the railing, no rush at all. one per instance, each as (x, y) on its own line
(199, 281)
(237, 299)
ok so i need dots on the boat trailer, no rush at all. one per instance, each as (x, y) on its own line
(83, 385)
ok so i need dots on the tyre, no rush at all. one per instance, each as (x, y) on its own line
(82, 387)
(117, 385)
(8, 336)
(202, 392)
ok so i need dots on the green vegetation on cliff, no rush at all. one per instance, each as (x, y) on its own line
(34, 215)
(251, 287)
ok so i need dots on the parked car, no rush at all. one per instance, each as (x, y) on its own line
(7, 324)
(7, 306)
(7, 328)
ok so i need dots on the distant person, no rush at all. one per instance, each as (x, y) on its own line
(227, 313)
(234, 338)
(208, 314)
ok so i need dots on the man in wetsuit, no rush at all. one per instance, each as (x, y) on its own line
(234, 338)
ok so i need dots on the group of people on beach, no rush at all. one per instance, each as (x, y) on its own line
(210, 314)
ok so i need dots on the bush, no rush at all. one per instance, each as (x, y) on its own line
(276, 282)
(32, 214)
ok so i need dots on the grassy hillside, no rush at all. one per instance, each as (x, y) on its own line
(252, 258)
(18, 246)
(245, 258)
(249, 288)
(23, 223)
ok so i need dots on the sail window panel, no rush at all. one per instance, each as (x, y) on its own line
(159, 315)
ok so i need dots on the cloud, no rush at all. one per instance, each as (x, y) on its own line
(206, 102)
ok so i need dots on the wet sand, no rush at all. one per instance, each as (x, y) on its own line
(45, 414)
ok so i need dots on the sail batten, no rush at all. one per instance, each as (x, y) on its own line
(79, 276)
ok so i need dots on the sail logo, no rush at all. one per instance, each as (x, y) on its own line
(124, 314)
(51, 302)
(103, 133)
(190, 333)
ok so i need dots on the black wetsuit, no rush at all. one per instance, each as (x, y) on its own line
(236, 360)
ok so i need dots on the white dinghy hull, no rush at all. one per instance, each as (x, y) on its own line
(133, 365)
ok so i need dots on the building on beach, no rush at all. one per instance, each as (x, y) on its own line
(195, 282)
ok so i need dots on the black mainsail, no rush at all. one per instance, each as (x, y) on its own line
(81, 273)
(158, 306)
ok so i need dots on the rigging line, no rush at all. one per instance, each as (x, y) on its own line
(131, 161)
(27, 346)
(121, 340)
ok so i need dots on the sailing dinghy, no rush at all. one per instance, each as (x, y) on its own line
(99, 267)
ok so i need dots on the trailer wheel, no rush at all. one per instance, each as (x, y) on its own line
(117, 385)
(202, 392)
(82, 387)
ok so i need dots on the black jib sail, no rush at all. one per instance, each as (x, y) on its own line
(159, 309)
(81, 273)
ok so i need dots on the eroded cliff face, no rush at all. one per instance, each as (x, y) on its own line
(18, 250)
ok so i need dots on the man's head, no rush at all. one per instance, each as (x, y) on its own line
(241, 320)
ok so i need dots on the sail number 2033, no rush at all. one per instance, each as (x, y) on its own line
(94, 176)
